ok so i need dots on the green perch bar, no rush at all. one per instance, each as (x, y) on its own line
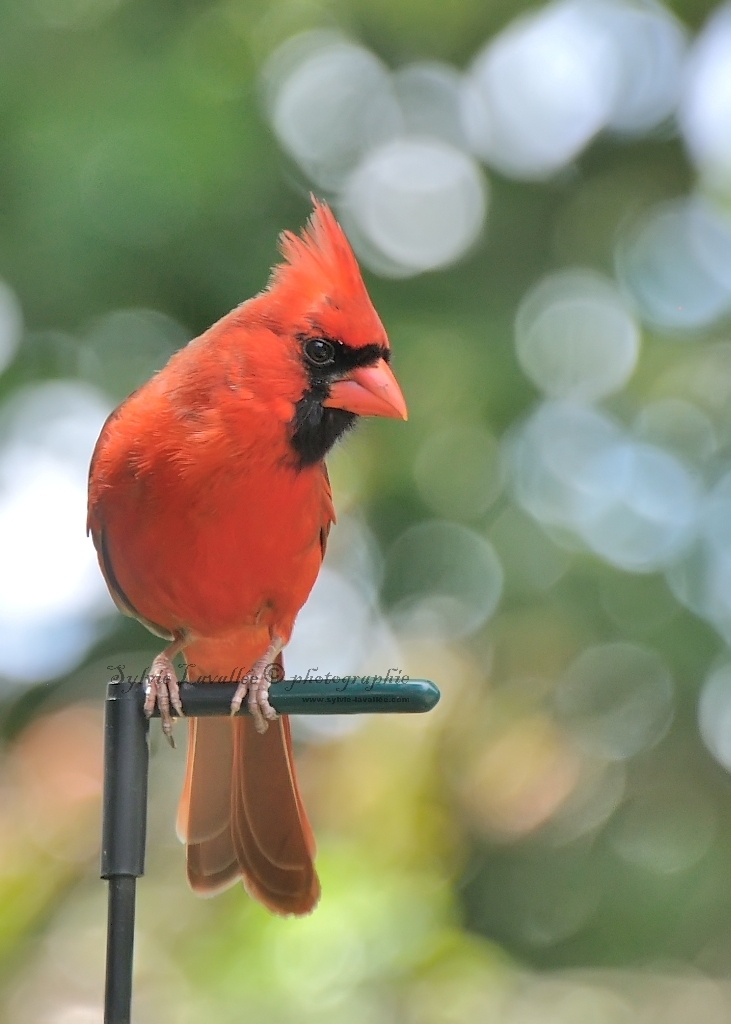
(346, 695)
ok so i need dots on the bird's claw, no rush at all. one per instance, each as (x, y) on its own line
(163, 692)
(255, 687)
(238, 698)
(259, 707)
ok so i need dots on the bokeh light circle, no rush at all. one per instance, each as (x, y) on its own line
(678, 426)
(616, 699)
(429, 93)
(710, 239)
(664, 829)
(705, 111)
(557, 461)
(651, 45)
(654, 511)
(540, 91)
(714, 714)
(575, 337)
(332, 629)
(330, 101)
(419, 201)
(127, 346)
(11, 324)
(51, 614)
(659, 265)
(701, 579)
(443, 578)
(459, 472)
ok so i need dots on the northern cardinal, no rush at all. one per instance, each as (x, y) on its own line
(210, 506)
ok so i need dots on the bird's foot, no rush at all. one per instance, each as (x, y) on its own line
(255, 687)
(163, 692)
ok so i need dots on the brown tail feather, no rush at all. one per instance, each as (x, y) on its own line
(205, 803)
(269, 834)
(212, 866)
(241, 815)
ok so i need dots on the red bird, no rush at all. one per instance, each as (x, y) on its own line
(210, 506)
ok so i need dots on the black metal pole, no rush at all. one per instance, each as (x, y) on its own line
(120, 949)
(124, 830)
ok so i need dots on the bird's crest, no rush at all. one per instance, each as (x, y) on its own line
(320, 255)
(319, 283)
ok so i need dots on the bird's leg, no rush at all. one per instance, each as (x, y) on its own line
(256, 683)
(163, 686)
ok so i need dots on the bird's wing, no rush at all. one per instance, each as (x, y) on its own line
(98, 535)
(328, 509)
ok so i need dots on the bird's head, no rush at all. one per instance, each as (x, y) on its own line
(319, 302)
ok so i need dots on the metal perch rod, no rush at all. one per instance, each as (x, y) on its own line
(126, 758)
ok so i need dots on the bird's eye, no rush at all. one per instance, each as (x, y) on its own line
(319, 352)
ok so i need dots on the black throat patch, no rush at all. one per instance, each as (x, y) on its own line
(314, 427)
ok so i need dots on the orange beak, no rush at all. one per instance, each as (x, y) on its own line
(369, 391)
